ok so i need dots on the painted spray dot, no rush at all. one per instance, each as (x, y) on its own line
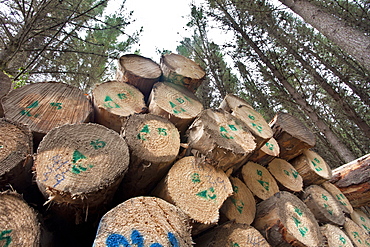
(195, 178)
(58, 106)
(208, 194)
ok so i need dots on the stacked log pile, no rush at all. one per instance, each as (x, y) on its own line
(140, 162)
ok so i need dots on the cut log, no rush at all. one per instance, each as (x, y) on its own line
(362, 219)
(231, 101)
(114, 101)
(323, 205)
(19, 225)
(232, 234)
(5, 86)
(255, 122)
(154, 143)
(335, 237)
(286, 175)
(337, 194)
(359, 236)
(284, 219)
(139, 71)
(259, 180)
(16, 149)
(353, 179)
(144, 221)
(312, 167)
(79, 167)
(241, 206)
(44, 106)
(180, 70)
(175, 103)
(221, 137)
(266, 153)
(199, 189)
(292, 135)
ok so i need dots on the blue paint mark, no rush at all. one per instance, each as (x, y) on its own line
(116, 240)
(173, 240)
(137, 238)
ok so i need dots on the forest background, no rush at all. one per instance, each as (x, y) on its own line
(309, 58)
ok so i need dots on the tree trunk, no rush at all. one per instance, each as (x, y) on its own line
(336, 143)
(266, 153)
(16, 150)
(180, 70)
(312, 168)
(232, 234)
(334, 236)
(144, 221)
(284, 220)
(286, 175)
(199, 189)
(358, 235)
(347, 38)
(154, 143)
(259, 180)
(222, 138)
(353, 179)
(241, 206)
(254, 121)
(138, 71)
(19, 225)
(292, 135)
(114, 102)
(5, 86)
(338, 195)
(79, 167)
(44, 106)
(175, 103)
(323, 205)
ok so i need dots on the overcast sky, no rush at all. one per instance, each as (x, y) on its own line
(164, 24)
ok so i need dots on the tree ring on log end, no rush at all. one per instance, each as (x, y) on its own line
(286, 174)
(80, 163)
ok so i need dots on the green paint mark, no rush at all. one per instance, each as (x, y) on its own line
(238, 204)
(172, 104)
(27, 113)
(222, 129)
(362, 219)
(342, 239)
(298, 211)
(258, 127)
(235, 188)
(1, 146)
(317, 168)
(110, 101)
(297, 222)
(162, 131)
(8, 239)
(226, 136)
(252, 117)
(195, 178)
(122, 96)
(57, 105)
(264, 184)
(317, 160)
(232, 127)
(303, 231)
(232, 244)
(259, 172)
(145, 129)
(77, 156)
(78, 169)
(180, 100)
(324, 197)
(287, 173)
(366, 228)
(294, 173)
(269, 146)
(97, 144)
(34, 104)
(206, 194)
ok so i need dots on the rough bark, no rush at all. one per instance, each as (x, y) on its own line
(347, 38)
(5, 85)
